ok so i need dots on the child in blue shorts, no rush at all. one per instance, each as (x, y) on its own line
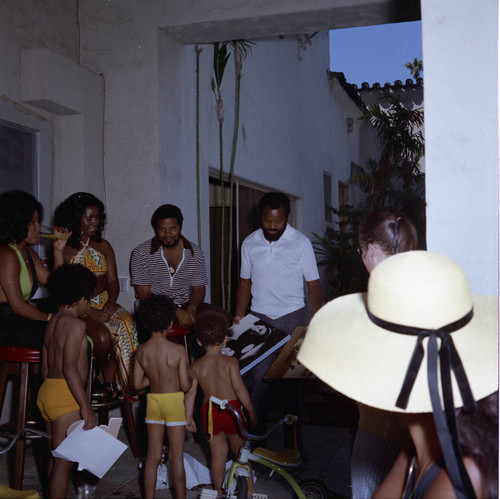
(162, 365)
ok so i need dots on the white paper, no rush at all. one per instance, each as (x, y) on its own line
(113, 427)
(94, 450)
(196, 474)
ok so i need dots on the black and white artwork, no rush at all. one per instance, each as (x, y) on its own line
(252, 340)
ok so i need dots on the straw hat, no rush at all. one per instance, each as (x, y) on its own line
(368, 362)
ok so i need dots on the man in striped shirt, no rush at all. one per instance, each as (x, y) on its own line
(169, 264)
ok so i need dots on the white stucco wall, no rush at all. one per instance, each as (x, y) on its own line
(291, 130)
(41, 79)
(460, 53)
(148, 124)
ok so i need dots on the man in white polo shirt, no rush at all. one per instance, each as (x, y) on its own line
(275, 261)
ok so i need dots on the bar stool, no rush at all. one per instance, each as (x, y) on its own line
(179, 334)
(18, 361)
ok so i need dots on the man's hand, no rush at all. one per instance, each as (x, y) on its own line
(89, 418)
(184, 318)
(237, 319)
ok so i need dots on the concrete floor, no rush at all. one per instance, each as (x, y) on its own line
(326, 442)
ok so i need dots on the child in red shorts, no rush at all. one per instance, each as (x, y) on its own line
(219, 376)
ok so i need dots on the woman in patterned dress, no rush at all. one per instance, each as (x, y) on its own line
(110, 326)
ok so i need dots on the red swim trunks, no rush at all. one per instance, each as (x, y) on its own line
(223, 421)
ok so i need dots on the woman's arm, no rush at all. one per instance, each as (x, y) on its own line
(111, 274)
(10, 270)
(42, 273)
(395, 481)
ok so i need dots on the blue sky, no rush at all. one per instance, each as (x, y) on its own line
(375, 53)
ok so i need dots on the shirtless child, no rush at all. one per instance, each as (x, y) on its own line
(162, 365)
(219, 376)
(62, 398)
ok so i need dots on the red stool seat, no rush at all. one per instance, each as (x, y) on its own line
(19, 354)
(17, 361)
(181, 332)
(178, 330)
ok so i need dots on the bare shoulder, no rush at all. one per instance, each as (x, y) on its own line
(142, 350)
(196, 364)
(67, 328)
(104, 246)
(175, 347)
(8, 255)
(70, 324)
(231, 362)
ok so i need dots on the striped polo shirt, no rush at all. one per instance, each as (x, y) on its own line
(148, 267)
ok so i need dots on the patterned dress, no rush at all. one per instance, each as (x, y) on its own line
(121, 325)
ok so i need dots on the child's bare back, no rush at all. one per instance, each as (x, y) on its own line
(65, 338)
(164, 365)
(216, 374)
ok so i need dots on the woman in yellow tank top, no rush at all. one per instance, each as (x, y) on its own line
(21, 270)
(109, 325)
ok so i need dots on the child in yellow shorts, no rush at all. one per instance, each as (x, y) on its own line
(62, 398)
(162, 365)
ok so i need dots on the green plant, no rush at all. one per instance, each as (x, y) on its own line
(395, 180)
(240, 51)
(337, 251)
(221, 57)
(198, 49)
(416, 67)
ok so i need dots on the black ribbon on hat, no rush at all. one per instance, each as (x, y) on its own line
(445, 421)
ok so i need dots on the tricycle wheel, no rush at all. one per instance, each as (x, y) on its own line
(313, 489)
(241, 493)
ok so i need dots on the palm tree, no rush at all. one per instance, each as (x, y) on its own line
(400, 134)
(240, 51)
(416, 67)
(394, 180)
(198, 49)
(221, 57)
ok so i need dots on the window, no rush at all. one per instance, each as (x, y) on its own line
(18, 158)
(246, 219)
(343, 201)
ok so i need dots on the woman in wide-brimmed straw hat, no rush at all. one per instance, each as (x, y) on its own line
(381, 434)
(385, 348)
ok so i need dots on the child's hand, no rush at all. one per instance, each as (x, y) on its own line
(253, 418)
(89, 418)
(190, 424)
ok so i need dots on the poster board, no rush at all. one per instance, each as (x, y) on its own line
(252, 340)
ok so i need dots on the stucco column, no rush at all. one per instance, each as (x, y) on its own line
(460, 53)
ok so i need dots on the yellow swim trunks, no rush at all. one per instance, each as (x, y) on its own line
(55, 399)
(166, 408)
